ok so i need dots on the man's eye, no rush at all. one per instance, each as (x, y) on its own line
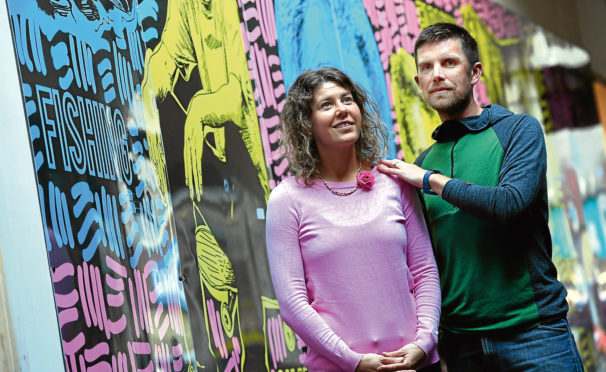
(325, 105)
(449, 63)
(424, 67)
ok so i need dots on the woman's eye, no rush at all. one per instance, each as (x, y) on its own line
(325, 105)
(348, 99)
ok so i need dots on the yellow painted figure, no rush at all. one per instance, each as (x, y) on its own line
(205, 34)
(417, 120)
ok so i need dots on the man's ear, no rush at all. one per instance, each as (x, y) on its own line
(417, 79)
(476, 72)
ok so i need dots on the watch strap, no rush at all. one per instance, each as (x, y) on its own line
(426, 189)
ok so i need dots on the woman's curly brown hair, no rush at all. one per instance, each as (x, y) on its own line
(297, 141)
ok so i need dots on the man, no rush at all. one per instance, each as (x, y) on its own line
(486, 196)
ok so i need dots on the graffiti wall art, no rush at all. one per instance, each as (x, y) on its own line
(110, 230)
(154, 128)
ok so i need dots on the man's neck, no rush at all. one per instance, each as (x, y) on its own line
(473, 109)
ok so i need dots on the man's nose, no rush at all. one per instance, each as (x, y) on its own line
(438, 73)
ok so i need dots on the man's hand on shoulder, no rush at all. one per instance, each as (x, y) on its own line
(413, 174)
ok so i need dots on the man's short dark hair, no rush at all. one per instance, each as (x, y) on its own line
(443, 31)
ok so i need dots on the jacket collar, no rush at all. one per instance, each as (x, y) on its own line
(451, 130)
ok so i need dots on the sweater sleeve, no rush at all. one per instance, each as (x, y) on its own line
(422, 266)
(288, 276)
(522, 171)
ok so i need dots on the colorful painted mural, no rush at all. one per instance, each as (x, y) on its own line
(110, 231)
(154, 132)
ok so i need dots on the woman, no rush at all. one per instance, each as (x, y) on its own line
(349, 253)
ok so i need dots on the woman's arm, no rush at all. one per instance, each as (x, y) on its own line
(422, 265)
(426, 288)
(520, 179)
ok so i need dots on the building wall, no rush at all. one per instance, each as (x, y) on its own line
(29, 334)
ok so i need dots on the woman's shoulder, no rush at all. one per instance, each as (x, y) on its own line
(388, 179)
(287, 190)
(393, 181)
(280, 191)
(289, 184)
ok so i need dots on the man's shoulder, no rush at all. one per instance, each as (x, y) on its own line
(511, 119)
(419, 160)
(518, 128)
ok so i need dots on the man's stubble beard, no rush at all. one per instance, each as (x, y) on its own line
(453, 105)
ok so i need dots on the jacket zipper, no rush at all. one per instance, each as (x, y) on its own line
(452, 159)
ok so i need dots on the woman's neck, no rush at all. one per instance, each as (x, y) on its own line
(339, 166)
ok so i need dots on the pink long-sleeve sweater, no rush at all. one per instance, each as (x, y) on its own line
(353, 274)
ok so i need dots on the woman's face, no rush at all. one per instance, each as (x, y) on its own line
(335, 117)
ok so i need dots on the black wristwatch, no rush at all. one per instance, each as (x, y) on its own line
(426, 189)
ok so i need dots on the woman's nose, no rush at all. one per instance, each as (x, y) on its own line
(341, 108)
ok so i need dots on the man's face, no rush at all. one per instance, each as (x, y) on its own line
(445, 78)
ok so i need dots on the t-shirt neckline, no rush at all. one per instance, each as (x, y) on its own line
(344, 184)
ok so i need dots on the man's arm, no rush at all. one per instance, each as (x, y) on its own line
(522, 172)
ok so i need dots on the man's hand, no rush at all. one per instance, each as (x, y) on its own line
(412, 174)
(406, 171)
(410, 355)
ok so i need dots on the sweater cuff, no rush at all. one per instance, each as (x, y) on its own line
(352, 359)
(428, 343)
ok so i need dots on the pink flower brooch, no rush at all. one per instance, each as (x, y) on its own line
(365, 180)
